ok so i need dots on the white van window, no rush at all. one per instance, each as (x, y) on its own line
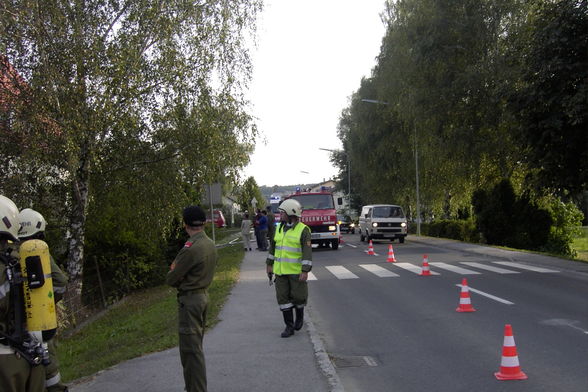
(388, 212)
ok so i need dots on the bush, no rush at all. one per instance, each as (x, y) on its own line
(504, 218)
(567, 220)
(461, 230)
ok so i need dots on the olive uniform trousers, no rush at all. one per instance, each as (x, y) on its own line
(17, 375)
(192, 320)
(289, 289)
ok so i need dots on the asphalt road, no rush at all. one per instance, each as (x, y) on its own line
(388, 329)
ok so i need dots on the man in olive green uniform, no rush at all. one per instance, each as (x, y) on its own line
(16, 374)
(191, 273)
(32, 227)
(290, 259)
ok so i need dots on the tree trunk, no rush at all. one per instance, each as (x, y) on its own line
(76, 240)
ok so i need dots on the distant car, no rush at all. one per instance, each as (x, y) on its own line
(346, 224)
(219, 219)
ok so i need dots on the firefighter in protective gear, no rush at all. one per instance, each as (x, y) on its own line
(290, 259)
(16, 373)
(32, 226)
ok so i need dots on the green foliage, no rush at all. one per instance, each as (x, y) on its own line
(551, 98)
(580, 244)
(249, 191)
(510, 220)
(124, 109)
(567, 220)
(477, 90)
(460, 230)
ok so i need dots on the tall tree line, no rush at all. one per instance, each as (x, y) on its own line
(121, 110)
(481, 90)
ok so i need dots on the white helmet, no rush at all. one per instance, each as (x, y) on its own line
(291, 207)
(31, 223)
(8, 218)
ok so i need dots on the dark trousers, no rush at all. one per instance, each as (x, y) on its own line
(258, 238)
(16, 375)
(192, 320)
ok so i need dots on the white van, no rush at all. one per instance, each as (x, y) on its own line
(382, 221)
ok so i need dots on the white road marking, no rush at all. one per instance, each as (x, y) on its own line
(489, 268)
(370, 361)
(351, 245)
(378, 271)
(375, 254)
(413, 268)
(525, 267)
(341, 272)
(495, 298)
(454, 268)
(564, 322)
(311, 276)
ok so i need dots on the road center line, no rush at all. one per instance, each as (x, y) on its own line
(504, 301)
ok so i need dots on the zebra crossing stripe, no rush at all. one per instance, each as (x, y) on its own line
(526, 267)
(412, 268)
(311, 276)
(454, 268)
(489, 268)
(378, 271)
(341, 272)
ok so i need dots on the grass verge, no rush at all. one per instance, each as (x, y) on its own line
(144, 322)
(581, 245)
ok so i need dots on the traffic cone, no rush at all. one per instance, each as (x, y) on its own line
(465, 303)
(371, 249)
(341, 239)
(509, 364)
(391, 258)
(425, 271)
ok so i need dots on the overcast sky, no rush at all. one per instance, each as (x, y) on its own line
(310, 58)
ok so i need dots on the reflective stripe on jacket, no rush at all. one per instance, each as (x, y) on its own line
(288, 251)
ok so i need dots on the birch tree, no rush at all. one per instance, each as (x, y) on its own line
(106, 70)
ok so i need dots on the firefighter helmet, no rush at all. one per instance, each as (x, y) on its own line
(291, 207)
(31, 223)
(8, 218)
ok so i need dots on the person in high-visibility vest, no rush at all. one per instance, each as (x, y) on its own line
(290, 260)
(17, 374)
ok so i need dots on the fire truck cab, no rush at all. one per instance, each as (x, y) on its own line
(319, 213)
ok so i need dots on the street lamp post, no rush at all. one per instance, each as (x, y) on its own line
(348, 172)
(416, 165)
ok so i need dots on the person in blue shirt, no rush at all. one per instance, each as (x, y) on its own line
(263, 229)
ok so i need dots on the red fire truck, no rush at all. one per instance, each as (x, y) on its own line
(319, 213)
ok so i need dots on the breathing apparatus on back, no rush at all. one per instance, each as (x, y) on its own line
(33, 319)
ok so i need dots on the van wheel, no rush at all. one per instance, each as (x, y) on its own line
(335, 244)
(401, 240)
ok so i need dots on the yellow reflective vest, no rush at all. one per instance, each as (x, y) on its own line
(288, 250)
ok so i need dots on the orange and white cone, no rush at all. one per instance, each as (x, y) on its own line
(371, 249)
(465, 302)
(425, 271)
(509, 365)
(391, 258)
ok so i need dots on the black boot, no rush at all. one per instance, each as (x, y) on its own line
(289, 321)
(299, 319)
